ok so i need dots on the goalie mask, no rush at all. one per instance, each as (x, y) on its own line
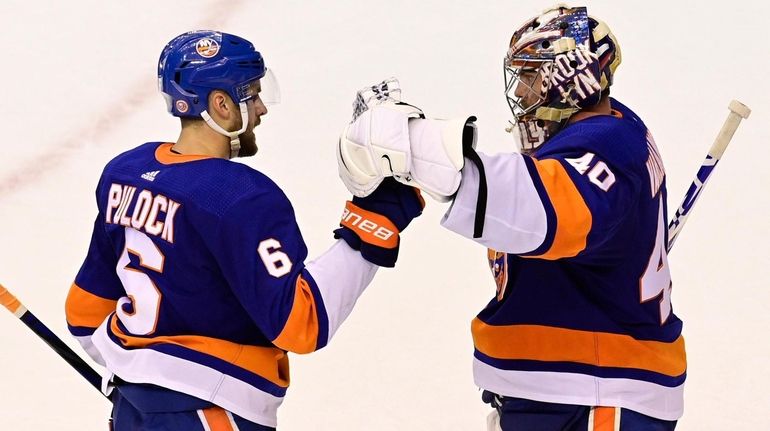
(557, 64)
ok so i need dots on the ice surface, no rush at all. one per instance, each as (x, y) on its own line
(79, 87)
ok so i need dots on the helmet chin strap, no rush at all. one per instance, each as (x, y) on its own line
(235, 142)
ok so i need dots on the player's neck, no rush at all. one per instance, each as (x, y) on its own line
(202, 141)
(602, 108)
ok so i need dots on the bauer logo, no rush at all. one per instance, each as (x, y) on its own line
(207, 47)
(182, 106)
(371, 231)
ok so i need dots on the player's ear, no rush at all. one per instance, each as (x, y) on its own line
(219, 105)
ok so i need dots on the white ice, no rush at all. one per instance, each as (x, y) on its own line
(78, 86)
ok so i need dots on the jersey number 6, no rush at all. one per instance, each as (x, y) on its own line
(276, 262)
(139, 311)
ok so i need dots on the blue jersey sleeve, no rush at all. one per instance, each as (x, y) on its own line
(96, 289)
(587, 192)
(261, 253)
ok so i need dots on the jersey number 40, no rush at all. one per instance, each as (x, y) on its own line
(656, 280)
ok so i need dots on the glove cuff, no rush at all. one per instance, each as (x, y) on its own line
(385, 257)
(372, 228)
(374, 235)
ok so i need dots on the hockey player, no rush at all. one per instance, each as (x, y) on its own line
(581, 333)
(195, 284)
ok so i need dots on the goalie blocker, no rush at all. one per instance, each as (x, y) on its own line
(396, 140)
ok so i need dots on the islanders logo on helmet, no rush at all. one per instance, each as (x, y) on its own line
(207, 47)
(182, 106)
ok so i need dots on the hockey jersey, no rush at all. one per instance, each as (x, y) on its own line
(577, 245)
(195, 281)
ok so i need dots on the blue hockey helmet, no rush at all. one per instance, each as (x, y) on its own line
(197, 62)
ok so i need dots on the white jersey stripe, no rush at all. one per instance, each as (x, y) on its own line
(232, 420)
(151, 366)
(203, 420)
(644, 397)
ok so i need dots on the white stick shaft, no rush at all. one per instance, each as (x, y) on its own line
(738, 112)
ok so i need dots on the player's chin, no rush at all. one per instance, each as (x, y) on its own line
(248, 146)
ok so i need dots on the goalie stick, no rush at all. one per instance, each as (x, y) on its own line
(738, 112)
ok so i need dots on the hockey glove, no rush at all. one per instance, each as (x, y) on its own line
(391, 138)
(436, 153)
(375, 139)
(375, 146)
(372, 224)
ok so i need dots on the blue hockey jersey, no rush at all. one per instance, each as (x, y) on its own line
(195, 280)
(577, 245)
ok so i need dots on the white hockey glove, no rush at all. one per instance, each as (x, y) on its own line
(436, 152)
(355, 153)
(375, 146)
(391, 138)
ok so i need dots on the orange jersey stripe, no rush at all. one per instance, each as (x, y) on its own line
(300, 333)
(216, 419)
(604, 419)
(573, 218)
(549, 344)
(164, 155)
(371, 227)
(85, 309)
(268, 362)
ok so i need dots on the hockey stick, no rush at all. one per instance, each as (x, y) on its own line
(738, 112)
(19, 310)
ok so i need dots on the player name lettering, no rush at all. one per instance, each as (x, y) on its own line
(151, 213)
(654, 166)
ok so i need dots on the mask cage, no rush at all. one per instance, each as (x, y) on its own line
(526, 84)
